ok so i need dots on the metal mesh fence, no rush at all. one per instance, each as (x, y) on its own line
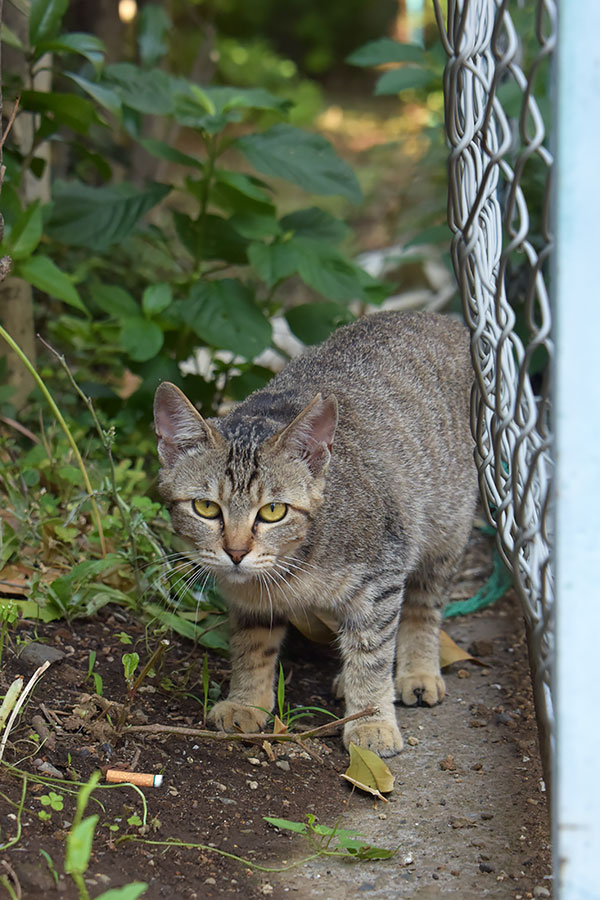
(497, 101)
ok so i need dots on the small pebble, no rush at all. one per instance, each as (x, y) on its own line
(210, 881)
(540, 891)
(448, 764)
(37, 654)
(485, 867)
(253, 785)
(463, 673)
(413, 741)
(283, 764)
(253, 761)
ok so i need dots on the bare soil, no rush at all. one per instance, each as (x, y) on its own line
(468, 814)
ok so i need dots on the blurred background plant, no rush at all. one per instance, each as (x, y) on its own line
(180, 202)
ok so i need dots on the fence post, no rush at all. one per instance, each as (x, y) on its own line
(577, 428)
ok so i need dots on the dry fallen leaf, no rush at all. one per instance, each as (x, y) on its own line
(278, 726)
(451, 652)
(368, 772)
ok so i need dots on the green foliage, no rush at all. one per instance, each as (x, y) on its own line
(332, 841)
(131, 278)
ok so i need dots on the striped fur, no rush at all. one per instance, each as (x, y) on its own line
(366, 439)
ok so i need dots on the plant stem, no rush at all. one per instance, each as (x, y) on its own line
(60, 419)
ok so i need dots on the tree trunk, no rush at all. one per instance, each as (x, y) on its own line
(16, 296)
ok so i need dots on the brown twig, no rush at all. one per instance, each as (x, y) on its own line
(258, 738)
(10, 122)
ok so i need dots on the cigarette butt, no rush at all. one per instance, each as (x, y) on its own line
(144, 779)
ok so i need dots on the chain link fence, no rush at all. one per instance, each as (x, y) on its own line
(497, 107)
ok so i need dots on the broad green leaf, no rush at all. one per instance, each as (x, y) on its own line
(103, 95)
(156, 298)
(211, 237)
(224, 315)
(314, 322)
(11, 39)
(79, 846)
(153, 27)
(85, 216)
(32, 610)
(252, 379)
(228, 98)
(287, 824)
(45, 19)
(127, 892)
(86, 45)
(114, 300)
(315, 223)
(325, 270)
(406, 78)
(256, 226)
(170, 154)
(141, 338)
(65, 109)
(386, 50)
(44, 274)
(26, 233)
(307, 160)
(250, 187)
(368, 771)
(273, 262)
(146, 91)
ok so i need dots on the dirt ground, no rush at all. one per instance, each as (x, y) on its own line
(468, 813)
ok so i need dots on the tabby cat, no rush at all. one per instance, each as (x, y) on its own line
(345, 486)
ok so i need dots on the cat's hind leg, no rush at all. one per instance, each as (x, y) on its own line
(418, 678)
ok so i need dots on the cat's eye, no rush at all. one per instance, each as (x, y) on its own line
(206, 509)
(272, 512)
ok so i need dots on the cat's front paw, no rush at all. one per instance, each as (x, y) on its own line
(382, 737)
(227, 715)
(420, 687)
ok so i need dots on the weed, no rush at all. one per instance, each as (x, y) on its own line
(9, 613)
(96, 678)
(52, 802)
(288, 716)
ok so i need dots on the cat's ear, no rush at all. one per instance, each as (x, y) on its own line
(178, 424)
(310, 435)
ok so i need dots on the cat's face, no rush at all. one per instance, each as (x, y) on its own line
(244, 504)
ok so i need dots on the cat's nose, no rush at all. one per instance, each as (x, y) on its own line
(236, 555)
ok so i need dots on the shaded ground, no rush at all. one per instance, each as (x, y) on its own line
(468, 813)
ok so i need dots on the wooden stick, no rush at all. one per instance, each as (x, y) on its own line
(259, 737)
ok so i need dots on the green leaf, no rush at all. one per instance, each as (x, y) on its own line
(85, 216)
(26, 233)
(45, 19)
(252, 379)
(153, 27)
(103, 95)
(204, 632)
(314, 322)
(32, 610)
(156, 298)
(386, 50)
(170, 154)
(298, 827)
(114, 300)
(79, 846)
(127, 892)
(146, 91)
(315, 223)
(224, 315)
(45, 275)
(86, 45)
(407, 78)
(65, 109)
(211, 237)
(307, 160)
(256, 226)
(11, 39)
(247, 185)
(141, 338)
(273, 262)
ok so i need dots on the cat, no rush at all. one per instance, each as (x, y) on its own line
(347, 485)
